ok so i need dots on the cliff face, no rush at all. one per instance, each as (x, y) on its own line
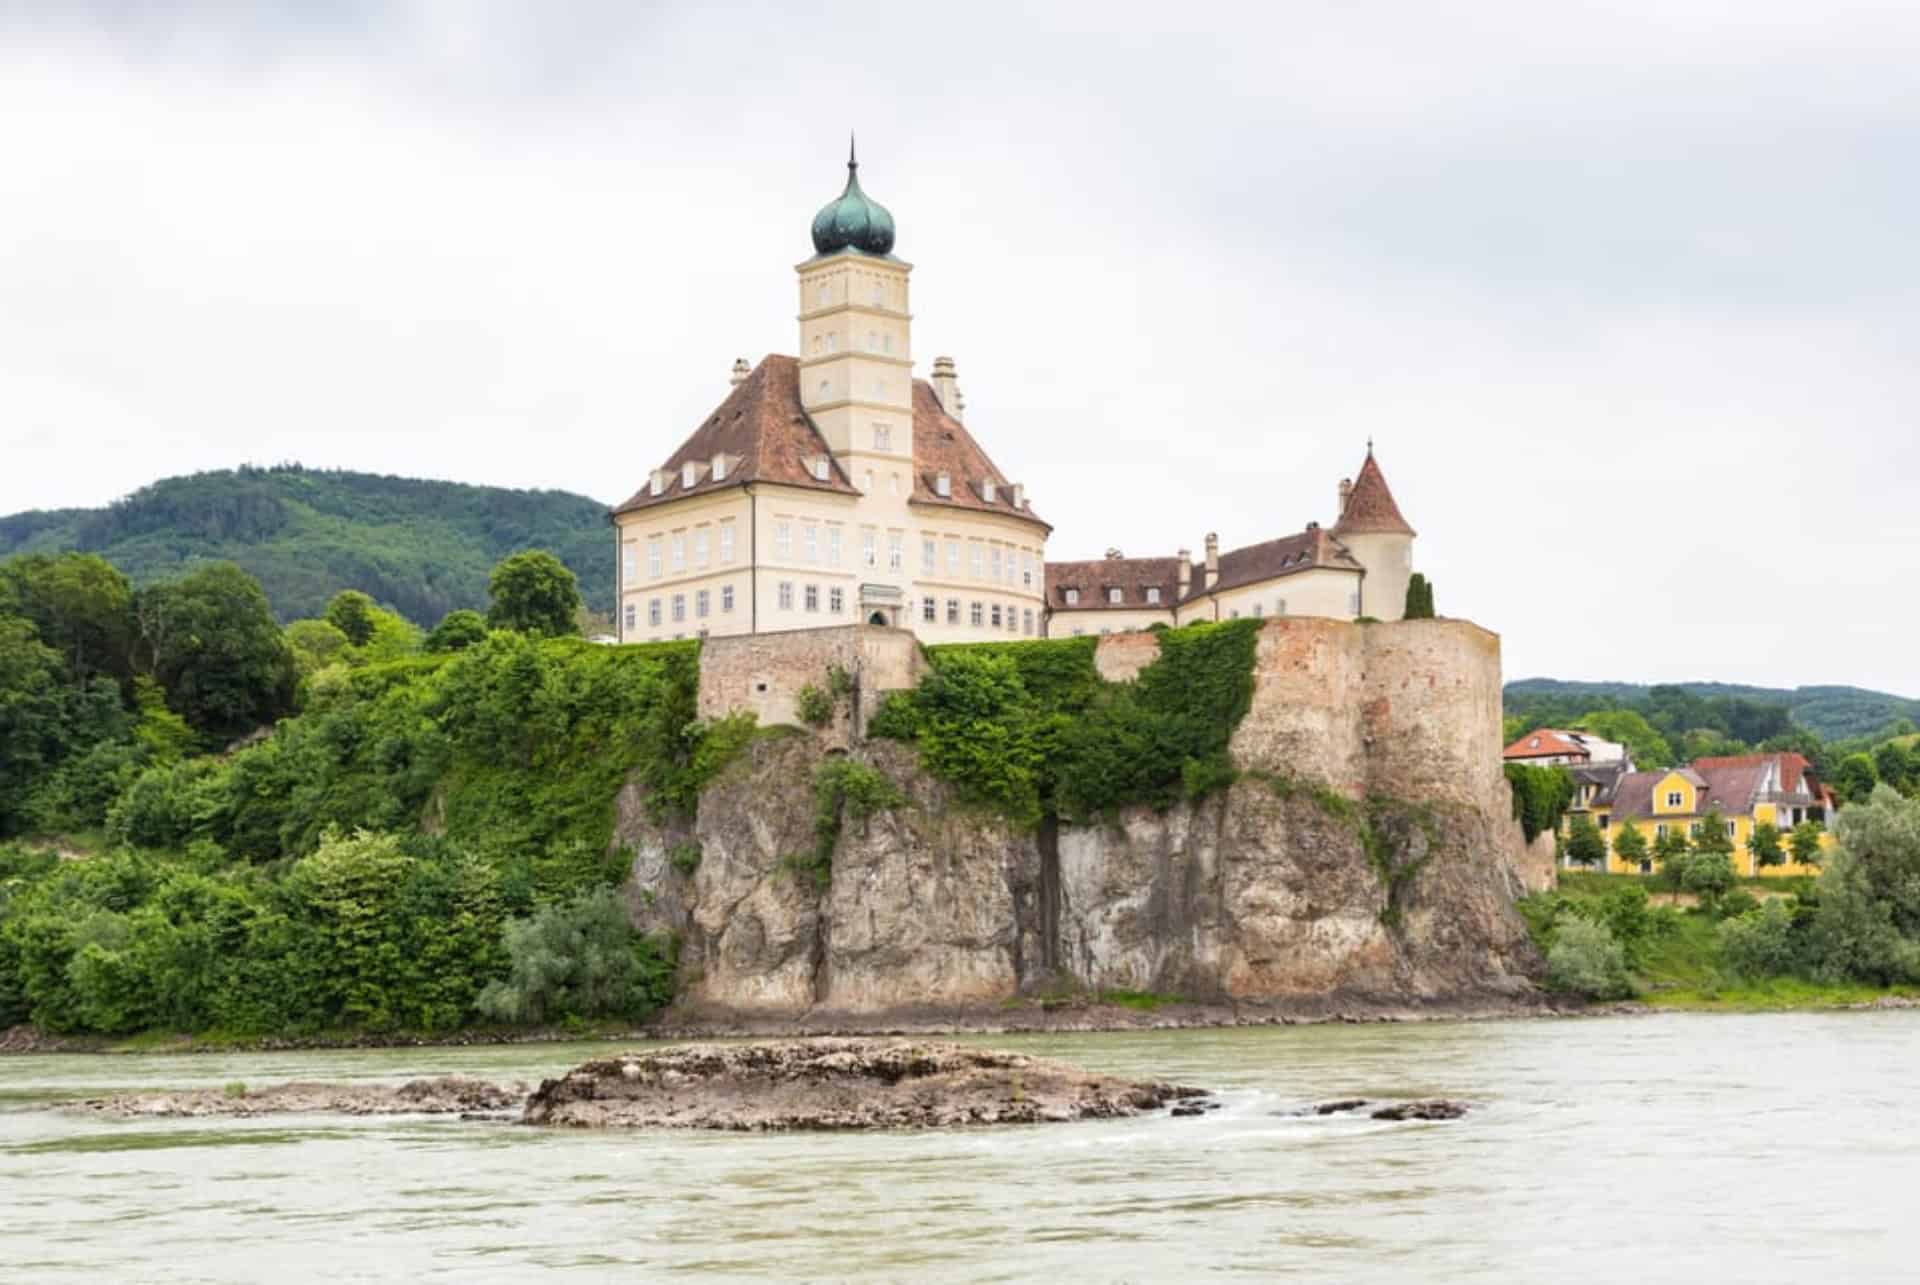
(1339, 869)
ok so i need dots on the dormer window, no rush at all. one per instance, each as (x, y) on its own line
(658, 483)
(689, 474)
(1153, 593)
(817, 466)
(1073, 597)
(719, 468)
(1114, 596)
(943, 484)
(1019, 495)
(986, 490)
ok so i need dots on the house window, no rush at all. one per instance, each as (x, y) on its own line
(1604, 820)
(869, 545)
(1660, 830)
(886, 342)
(929, 556)
(976, 560)
(953, 611)
(975, 614)
(629, 564)
(929, 610)
(784, 595)
(1013, 620)
(783, 539)
(1255, 610)
(1026, 569)
(726, 542)
(701, 600)
(1153, 594)
(882, 438)
(1026, 622)
(1280, 607)
(995, 562)
(653, 612)
(1073, 597)
(893, 484)
(700, 547)
(1694, 829)
(631, 616)
(996, 615)
(1674, 798)
(1730, 829)
(679, 547)
(953, 557)
(833, 546)
(896, 550)
(1353, 604)
(810, 542)
(836, 600)
(817, 467)
(726, 598)
(1114, 596)
(679, 607)
(812, 597)
(653, 557)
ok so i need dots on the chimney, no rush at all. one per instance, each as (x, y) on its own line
(1346, 493)
(1213, 559)
(740, 371)
(1114, 555)
(1186, 571)
(946, 386)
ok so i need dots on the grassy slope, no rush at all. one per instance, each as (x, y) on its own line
(421, 547)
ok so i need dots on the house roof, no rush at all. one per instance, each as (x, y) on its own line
(1793, 767)
(1308, 550)
(1370, 508)
(1132, 576)
(1544, 742)
(767, 436)
(1633, 797)
(1731, 784)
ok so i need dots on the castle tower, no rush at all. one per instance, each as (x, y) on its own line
(1373, 530)
(856, 354)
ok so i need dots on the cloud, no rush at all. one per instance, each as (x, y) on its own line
(1624, 293)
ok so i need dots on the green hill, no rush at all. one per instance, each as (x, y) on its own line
(1835, 713)
(421, 548)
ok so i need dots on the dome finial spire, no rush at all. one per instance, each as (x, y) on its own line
(853, 162)
(855, 221)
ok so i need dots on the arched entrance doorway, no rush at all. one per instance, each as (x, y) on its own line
(879, 618)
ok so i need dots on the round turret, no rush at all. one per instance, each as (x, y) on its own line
(854, 220)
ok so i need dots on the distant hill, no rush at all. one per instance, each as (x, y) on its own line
(1834, 712)
(422, 548)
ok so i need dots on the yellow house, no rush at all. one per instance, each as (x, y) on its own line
(1745, 790)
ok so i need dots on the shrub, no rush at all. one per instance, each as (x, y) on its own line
(1541, 796)
(1708, 875)
(813, 705)
(1586, 960)
(1760, 943)
(1623, 912)
(579, 959)
(1736, 903)
(844, 787)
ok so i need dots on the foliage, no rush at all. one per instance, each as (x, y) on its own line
(1804, 842)
(1712, 836)
(351, 612)
(1867, 925)
(422, 547)
(813, 705)
(210, 640)
(533, 592)
(1585, 960)
(1750, 714)
(315, 645)
(79, 604)
(1541, 796)
(1761, 942)
(457, 630)
(1630, 845)
(842, 788)
(1763, 845)
(1585, 846)
(1856, 778)
(579, 959)
(46, 720)
(684, 857)
(1419, 605)
(1672, 850)
(1708, 875)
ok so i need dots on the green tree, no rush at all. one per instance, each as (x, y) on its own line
(1585, 846)
(1646, 746)
(210, 639)
(81, 606)
(1761, 943)
(579, 959)
(1764, 845)
(1672, 850)
(35, 729)
(1804, 840)
(392, 638)
(1709, 876)
(352, 612)
(457, 630)
(1630, 845)
(1856, 778)
(1867, 924)
(1894, 765)
(1712, 836)
(533, 592)
(1419, 605)
(1586, 960)
(315, 645)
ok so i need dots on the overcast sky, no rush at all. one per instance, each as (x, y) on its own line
(1625, 293)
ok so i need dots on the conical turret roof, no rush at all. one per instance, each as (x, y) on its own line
(1370, 509)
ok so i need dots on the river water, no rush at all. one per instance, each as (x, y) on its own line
(1659, 1148)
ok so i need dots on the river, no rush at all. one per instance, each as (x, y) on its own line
(1658, 1148)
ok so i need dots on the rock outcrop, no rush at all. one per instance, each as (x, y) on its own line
(1365, 860)
(440, 1095)
(836, 1084)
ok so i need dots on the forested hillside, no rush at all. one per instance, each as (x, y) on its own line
(1836, 713)
(420, 547)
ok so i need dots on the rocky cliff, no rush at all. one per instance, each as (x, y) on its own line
(1365, 858)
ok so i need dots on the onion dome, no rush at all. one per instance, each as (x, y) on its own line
(854, 221)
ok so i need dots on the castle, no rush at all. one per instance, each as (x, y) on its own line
(834, 488)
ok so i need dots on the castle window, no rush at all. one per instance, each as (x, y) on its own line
(719, 468)
(893, 484)
(818, 467)
(1280, 607)
(653, 612)
(629, 564)
(976, 560)
(996, 615)
(836, 600)
(812, 597)
(1013, 620)
(975, 614)
(1078, 633)
(810, 542)
(995, 562)
(929, 610)
(943, 484)
(886, 341)
(882, 438)
(1153, 593)
(873, 341)
(833, 546)
(1114, 596)
(866, 482)
(833, 341)
(679, 553)
(953, 611)
(986, 490)
(869, 548)
(679, 607)
(929, 555)
(784, 595)
(879, 294)
(700, 546)
(701, 600)
(783, 539)
(953, 557)
(1026, 568)
(1073, 597)
(896, 551)
(1730, 829)
(1256, 610)
(653, 557)
(726, 542)
(1234, 614)
(1026, 622)
(1660, 831)
(726, 598)
(631, 617)
(1353, 604)
(688, 475)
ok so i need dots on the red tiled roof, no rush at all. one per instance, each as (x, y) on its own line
(1289, 555)
(768, 437)
(1132, 576)
(1543, 742)
(1370, 508)
(1793, 767)
(1274, 558)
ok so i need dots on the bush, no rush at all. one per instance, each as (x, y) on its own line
(1708, 875)
(577, 960)
(1586, 960)
(1541, 796)
(813, 705)
(1760, 943)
